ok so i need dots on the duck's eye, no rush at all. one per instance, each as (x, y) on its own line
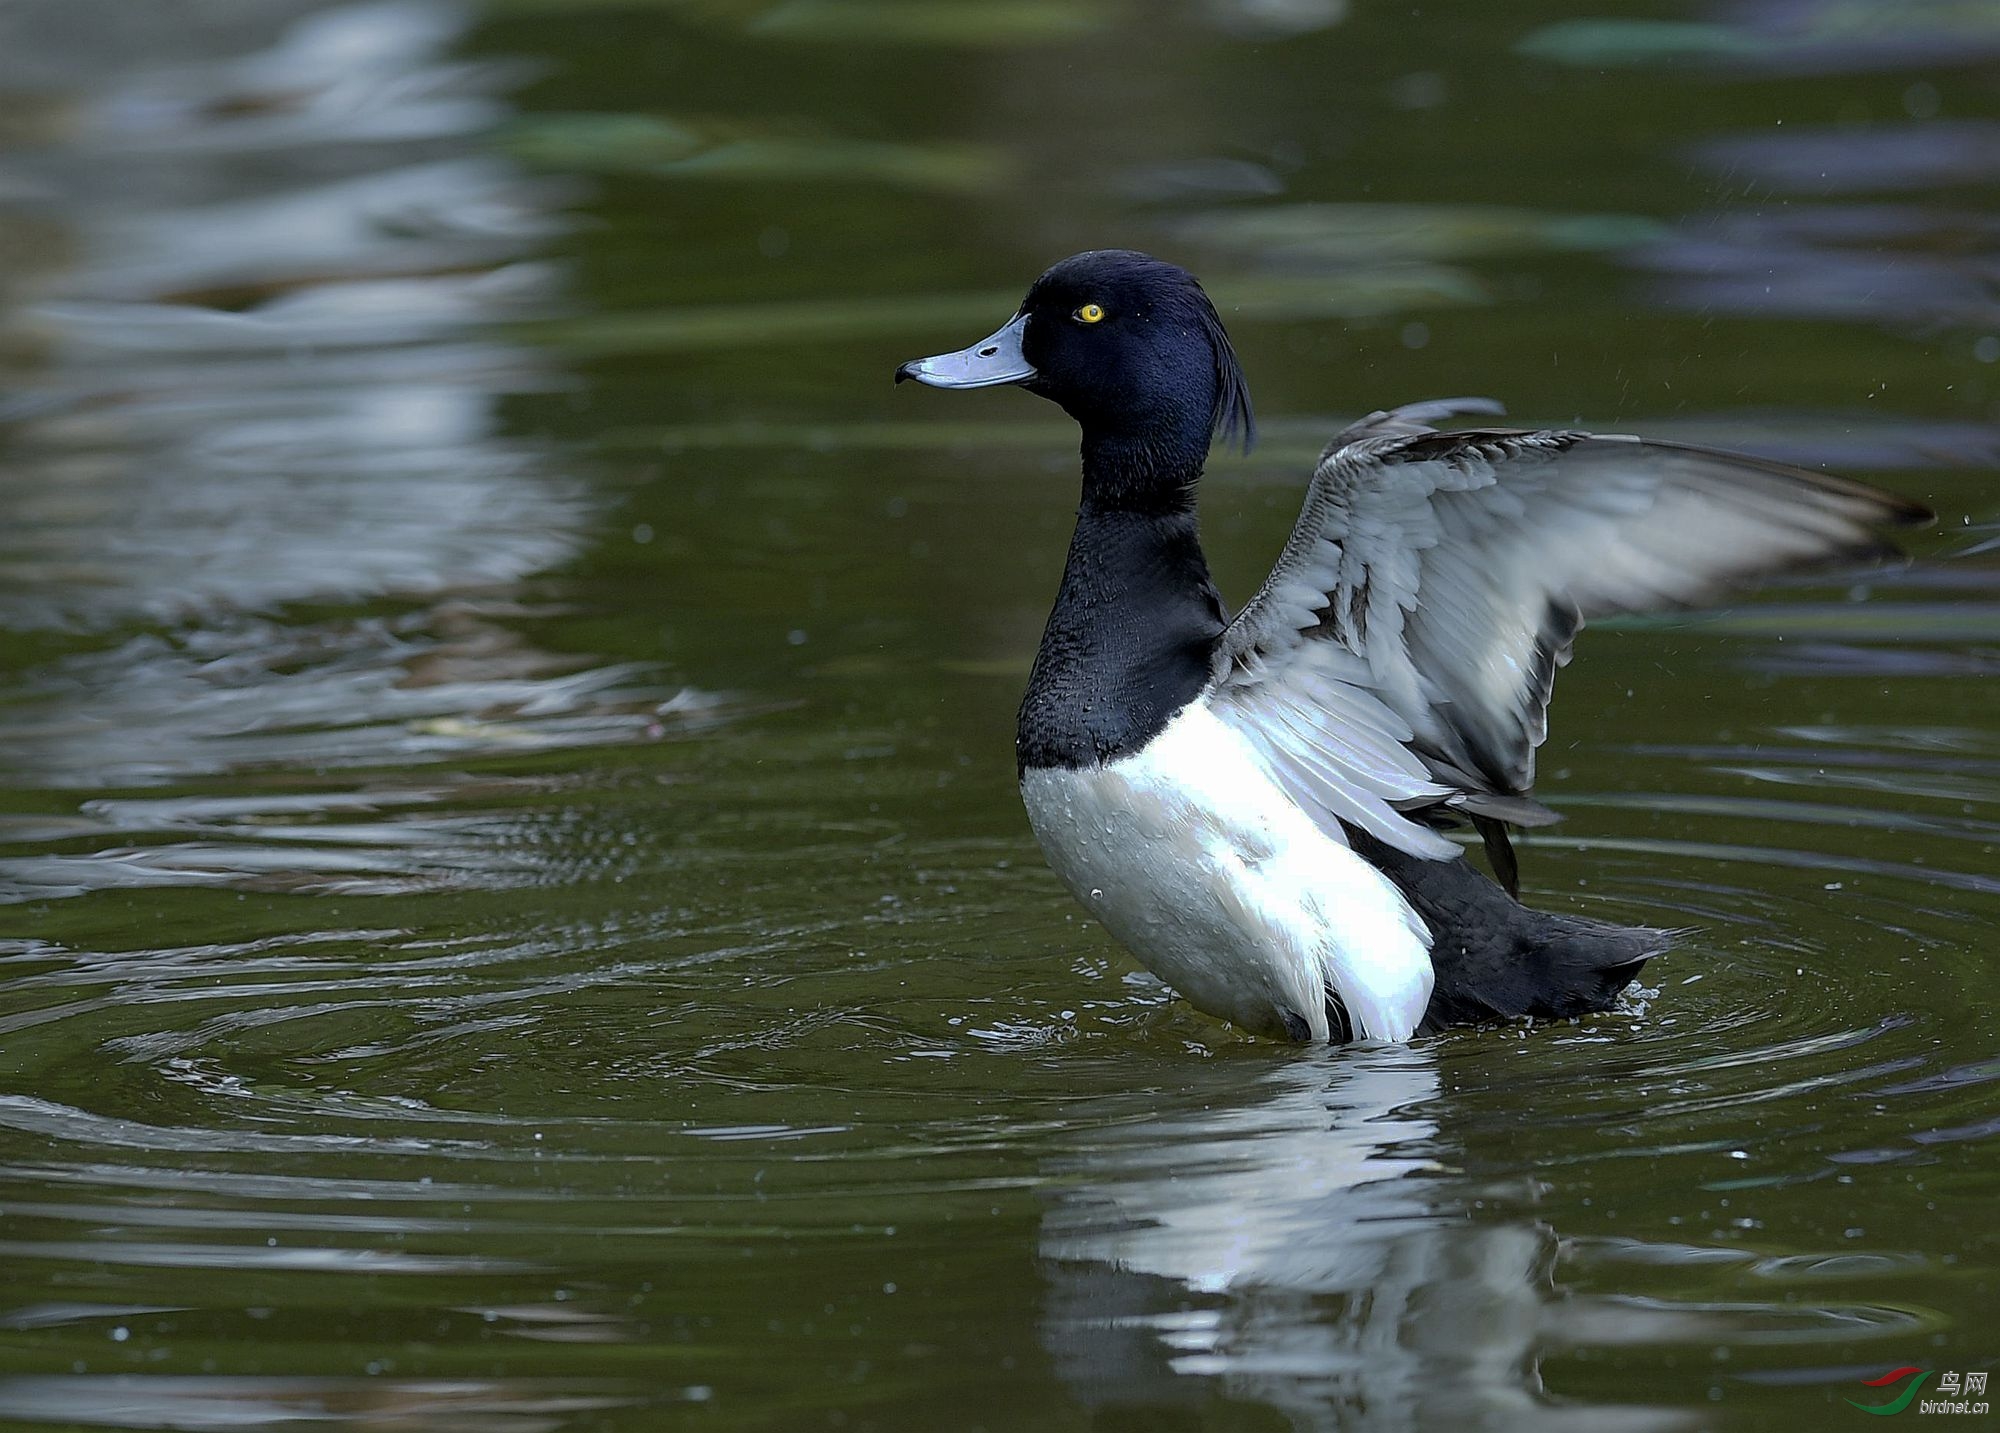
(1089, 313)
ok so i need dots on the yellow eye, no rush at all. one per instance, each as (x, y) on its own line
(1089, 313)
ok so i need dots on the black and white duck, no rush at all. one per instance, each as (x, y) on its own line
(1254, 805)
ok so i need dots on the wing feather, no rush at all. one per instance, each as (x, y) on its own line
(1404, 649)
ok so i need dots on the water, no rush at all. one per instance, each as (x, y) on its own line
(516, 914)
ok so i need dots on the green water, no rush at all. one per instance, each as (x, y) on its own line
(517, 915)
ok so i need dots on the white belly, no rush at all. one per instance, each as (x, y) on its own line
(1193, 857)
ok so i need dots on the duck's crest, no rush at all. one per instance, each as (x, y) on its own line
(1233, 421)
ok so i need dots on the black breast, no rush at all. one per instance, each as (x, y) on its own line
(1127, 645)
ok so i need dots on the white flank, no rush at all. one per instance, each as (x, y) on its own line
(1203, 866)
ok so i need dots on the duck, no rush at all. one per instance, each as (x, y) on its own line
(1259, 806)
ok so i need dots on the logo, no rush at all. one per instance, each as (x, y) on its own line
(1958, 1391)
(1901, 1400)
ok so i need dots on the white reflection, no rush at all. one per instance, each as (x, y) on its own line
(265, 370)
(255, 338)
(1302, 1251)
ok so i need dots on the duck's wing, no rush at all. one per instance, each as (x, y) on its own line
(1435, 582)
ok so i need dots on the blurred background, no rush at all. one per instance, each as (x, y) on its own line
(514, 913)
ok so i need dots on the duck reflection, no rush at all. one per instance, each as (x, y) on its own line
(1297, 1244)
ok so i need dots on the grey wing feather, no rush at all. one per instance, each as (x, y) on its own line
(1442, 577)
(1408, 419)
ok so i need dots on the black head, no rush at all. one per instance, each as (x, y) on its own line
(1129, 345)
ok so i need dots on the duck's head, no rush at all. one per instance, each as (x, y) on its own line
(1129, 345)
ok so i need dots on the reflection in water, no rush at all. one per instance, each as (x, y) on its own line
(264, 376)
(675, 149)
(1921, 267)
(317, 430)
(1304, 1242)
(1805, 37)
(1906, 268)
(1824, 160)
(433, 1406)
(1306, 1252)
(1290, 235)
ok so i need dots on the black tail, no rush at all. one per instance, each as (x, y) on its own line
(1496, 959)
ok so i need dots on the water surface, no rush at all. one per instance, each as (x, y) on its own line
(513, 909)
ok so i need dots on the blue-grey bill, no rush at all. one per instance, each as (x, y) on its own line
(987, 364)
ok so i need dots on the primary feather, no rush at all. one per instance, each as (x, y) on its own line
(1435, 582)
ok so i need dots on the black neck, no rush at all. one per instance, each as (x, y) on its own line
(1136, 617)
(1155, 471)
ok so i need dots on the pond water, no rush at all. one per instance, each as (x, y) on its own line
(517, 915)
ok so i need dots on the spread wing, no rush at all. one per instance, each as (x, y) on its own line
(1403, 650)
